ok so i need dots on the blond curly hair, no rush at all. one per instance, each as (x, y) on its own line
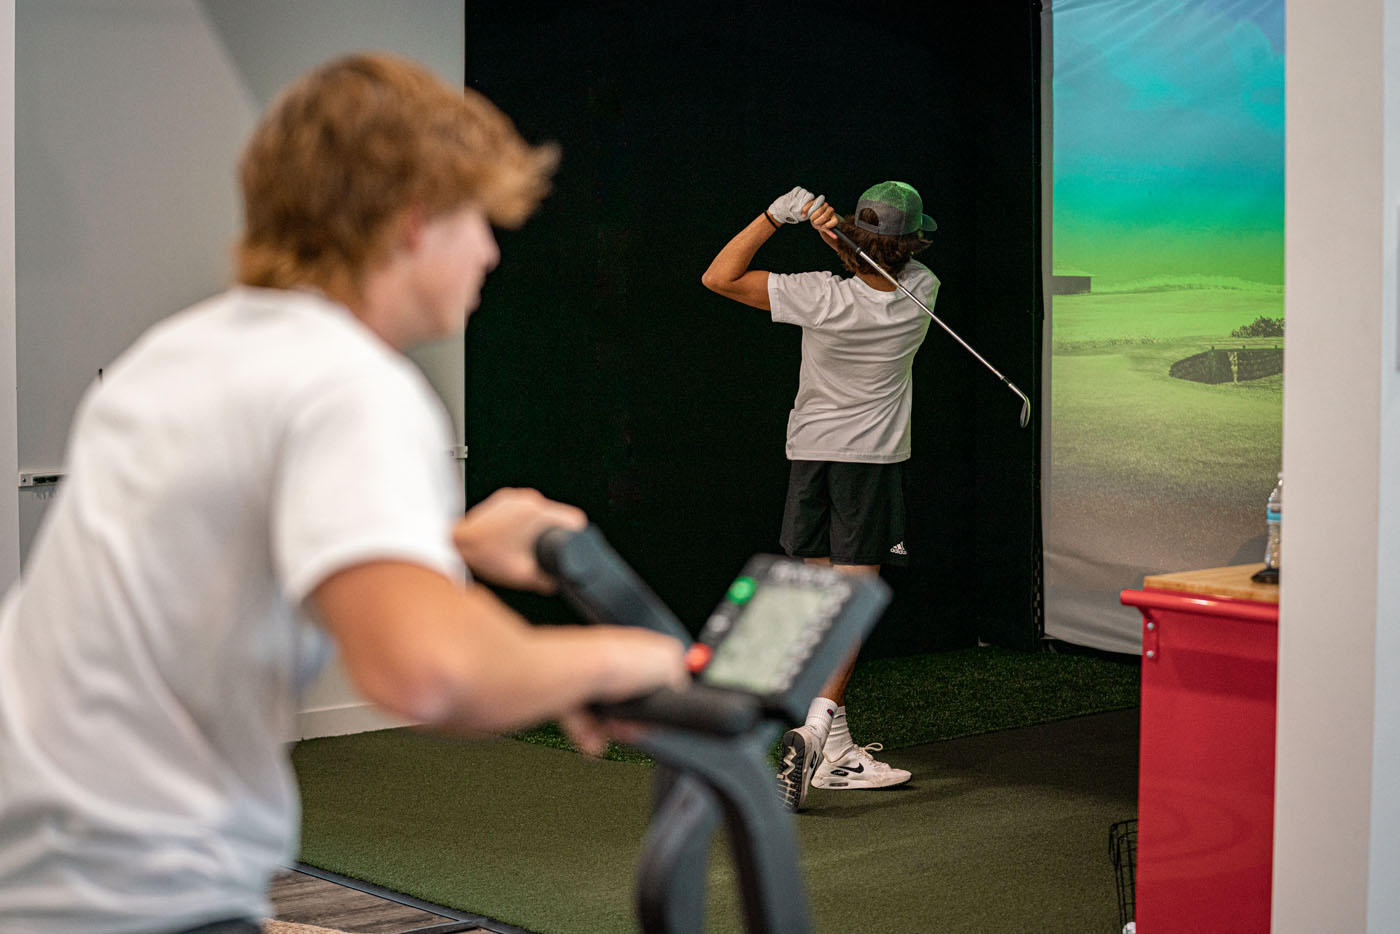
(350, 147)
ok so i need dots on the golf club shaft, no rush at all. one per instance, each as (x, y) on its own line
(951, 333)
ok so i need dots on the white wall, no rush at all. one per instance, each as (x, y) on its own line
(9, 442)
(1383, 892)
(1337, 828)
(129, 119)
(129, 116)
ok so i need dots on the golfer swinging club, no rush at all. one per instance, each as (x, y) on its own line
(848, 432)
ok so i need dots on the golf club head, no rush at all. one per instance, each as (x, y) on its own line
(1025, 401)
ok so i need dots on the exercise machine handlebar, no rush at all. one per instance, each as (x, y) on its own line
(603, 589)
(698, 708)
(779, 631)
(599, 585)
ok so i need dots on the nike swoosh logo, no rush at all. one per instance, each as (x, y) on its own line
(853, 769)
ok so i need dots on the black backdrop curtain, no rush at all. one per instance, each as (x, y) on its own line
(602, 373)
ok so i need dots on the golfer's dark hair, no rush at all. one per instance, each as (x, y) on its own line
(890, 252)
(352, 147)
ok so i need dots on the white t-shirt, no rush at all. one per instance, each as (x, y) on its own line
(152, 656)
(856, 387)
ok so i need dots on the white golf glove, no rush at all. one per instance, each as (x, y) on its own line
(788, 208)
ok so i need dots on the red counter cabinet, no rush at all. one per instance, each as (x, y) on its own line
(1206, 755)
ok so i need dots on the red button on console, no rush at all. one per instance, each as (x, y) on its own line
(697, 657)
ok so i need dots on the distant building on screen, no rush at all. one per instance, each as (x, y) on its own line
(1070, 282)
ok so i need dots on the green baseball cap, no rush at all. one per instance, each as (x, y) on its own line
(899, 208)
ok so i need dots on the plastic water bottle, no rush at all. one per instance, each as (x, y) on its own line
(1273, 514)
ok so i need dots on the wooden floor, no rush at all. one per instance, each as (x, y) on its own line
(299, 898)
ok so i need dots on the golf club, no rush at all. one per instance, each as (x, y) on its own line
(1025, 402)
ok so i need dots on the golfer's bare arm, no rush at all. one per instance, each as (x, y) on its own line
(729, 273)
(455, 658)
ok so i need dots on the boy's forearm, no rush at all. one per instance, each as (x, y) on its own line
(453, 657)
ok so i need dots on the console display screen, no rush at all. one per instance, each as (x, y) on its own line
(755, 656)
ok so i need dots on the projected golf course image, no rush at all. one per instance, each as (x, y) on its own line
(1167, 246)
(1164, 470)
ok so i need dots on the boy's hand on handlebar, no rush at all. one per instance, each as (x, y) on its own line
(496, 538)
(590, 734)
(633, 663)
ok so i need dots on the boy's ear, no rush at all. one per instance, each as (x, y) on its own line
(408, 229)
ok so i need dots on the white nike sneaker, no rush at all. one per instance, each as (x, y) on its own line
(799, 756)
(857, 768)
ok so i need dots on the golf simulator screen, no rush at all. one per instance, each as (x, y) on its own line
(1167, 291)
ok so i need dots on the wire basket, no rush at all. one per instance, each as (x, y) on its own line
(1122, 852)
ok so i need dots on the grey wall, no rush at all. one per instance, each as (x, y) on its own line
(129, 118)
(9, 447)
(1336, 813)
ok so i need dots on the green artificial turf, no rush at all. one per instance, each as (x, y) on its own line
(1004, 831)
(1003, 827)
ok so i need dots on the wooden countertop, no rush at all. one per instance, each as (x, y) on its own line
(1232, 582)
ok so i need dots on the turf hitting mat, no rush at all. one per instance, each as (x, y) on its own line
(1004, 830)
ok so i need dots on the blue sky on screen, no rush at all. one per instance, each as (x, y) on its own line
(1168, 116)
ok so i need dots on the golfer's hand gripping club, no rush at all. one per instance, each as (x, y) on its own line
(1025, 401)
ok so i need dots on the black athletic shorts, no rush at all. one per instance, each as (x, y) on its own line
(850, 513)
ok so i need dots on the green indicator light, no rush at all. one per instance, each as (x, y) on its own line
(741, 590)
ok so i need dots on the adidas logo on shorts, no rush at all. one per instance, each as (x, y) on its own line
(898, 549)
